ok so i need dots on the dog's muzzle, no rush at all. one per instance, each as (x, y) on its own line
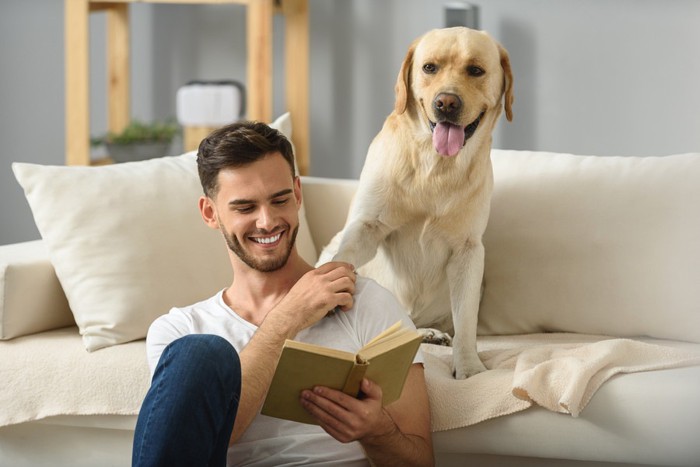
(449, 138)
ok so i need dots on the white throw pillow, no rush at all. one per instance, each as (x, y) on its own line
(597, 245)
(128, 243)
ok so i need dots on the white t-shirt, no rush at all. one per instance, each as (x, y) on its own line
(270, 441)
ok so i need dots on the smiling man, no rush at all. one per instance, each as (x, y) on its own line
(212, 362)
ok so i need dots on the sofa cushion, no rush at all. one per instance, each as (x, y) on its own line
(128, 242)
(645, 418)
(594, 245)
(31, 299)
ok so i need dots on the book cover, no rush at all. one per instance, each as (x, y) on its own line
(385, 360)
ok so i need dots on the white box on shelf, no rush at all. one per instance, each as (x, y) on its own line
(210, 104)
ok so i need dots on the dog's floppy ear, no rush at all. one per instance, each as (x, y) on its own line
(403, 82)
(508, 85)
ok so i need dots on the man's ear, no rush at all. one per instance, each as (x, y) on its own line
(208, 212)
(297, 191)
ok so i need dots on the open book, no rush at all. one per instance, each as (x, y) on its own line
(385, 360)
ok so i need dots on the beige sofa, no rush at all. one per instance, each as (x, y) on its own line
(577, 249)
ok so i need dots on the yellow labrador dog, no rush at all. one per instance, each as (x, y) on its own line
(423, 199)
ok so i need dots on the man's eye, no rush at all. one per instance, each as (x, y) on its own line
(244, 209)
(280, 202)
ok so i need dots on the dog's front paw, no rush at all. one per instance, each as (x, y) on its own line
(465, 366)
(434, 336)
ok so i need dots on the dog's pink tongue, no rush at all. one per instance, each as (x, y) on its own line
(448, 139)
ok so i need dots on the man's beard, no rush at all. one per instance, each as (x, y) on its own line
(262, 265)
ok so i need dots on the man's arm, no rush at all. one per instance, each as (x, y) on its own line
(310, 299)
(396, 435)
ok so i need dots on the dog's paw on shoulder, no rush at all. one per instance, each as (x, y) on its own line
(433, 336)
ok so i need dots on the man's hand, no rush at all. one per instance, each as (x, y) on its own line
(346, 418)
(395, 435)
(318, 291)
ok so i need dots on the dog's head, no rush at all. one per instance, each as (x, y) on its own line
(455, 78)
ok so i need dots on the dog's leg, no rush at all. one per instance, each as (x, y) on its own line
(360, 241)
(465, 271)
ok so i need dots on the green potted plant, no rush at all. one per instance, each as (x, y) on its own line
(139, 141)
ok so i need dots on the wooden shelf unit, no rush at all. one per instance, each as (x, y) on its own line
(259, 63)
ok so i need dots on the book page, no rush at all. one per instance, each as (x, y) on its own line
(320, 350)
(384, 334)
(394, 336)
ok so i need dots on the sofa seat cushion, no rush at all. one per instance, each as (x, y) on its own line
(50, 373)
(650, 417)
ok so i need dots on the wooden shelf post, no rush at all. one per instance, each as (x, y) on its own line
(118, 67)
(296, 92)
(77, 83)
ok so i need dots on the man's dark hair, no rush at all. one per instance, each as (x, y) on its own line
(237, 145)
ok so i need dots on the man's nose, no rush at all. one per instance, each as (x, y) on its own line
(266, 219)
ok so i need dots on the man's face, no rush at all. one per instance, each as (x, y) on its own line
(257, 212)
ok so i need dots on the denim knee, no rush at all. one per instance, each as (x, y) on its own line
(210, 356)
(189, 411)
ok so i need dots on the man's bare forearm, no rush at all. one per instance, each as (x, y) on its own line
(258, 362)
(397, 449)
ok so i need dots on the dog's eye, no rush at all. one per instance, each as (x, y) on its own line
(475, 71)
(430, 68)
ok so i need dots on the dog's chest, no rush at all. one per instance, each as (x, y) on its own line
(452, 205)
(418, 252)
(429, 216)
(413, 264)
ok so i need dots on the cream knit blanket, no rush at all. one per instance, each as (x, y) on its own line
(52, 374)
(560, 372)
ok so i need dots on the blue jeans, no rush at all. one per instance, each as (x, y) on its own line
(187, 416)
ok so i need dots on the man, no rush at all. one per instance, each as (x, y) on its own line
(200, 389)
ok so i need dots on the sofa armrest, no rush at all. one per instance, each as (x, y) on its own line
(31, 298)
(326, 201)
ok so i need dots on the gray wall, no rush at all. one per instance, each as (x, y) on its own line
(591, 76)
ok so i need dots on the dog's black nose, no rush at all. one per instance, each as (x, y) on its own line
(449, 105)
